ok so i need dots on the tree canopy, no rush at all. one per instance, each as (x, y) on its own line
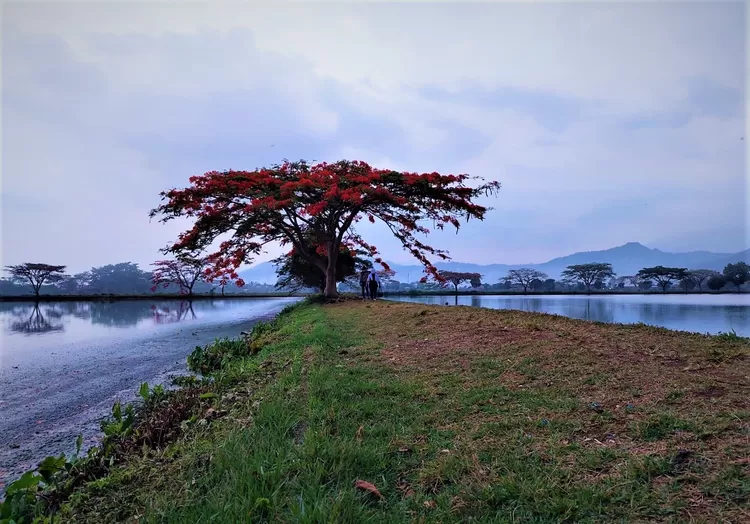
(184, 272)
(36, 274)
(524, 277)
(699, 276)
(716, 282)
(285, 203)
(663, 276)
(457, 278)
(737, 273)
(296, 272)
(588, 274)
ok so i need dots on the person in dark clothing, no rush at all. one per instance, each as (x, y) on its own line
(363, 282)
(373, 283)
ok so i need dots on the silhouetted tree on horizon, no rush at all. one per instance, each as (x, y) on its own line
(663, 276)
(698, 276)
(183, 271)
(737, 274)
(524, 277)
(588, 274)
(36, 274)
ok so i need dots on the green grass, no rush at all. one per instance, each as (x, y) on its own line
(319, 408)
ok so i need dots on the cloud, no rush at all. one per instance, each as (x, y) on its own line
(584, 124)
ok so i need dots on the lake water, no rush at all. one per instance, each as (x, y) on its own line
(697, 313)
(29, 329)
(63, 364)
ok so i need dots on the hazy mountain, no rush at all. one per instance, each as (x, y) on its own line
(720, 262)
(626, 260)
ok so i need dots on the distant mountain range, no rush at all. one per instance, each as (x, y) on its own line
(626, 260)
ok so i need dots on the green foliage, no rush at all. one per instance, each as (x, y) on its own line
(152, 396)
(212, 357)
(730, 336)
(588, 274)
(664, 276)
(716, 282)
(38, 494)
(297, 272)
(737, 274)
(215, 356)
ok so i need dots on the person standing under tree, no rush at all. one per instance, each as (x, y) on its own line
(373, 283)
(363, 282)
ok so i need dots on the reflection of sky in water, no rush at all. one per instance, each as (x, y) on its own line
(52, 324)
(701, 313)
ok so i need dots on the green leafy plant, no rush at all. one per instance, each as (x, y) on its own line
(212, 357)
(152, 396)
(730, 336)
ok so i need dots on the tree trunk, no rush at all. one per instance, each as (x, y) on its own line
(330, 291)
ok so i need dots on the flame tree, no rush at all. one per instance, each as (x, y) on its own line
(457, 278)
(285, 203)
(295, 272)
(184, 271)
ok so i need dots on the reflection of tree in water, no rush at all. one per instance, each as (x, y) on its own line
(35, 320)
(112, 314)
(80, 310)
(119, 314)
(598, 310)
(168, 315)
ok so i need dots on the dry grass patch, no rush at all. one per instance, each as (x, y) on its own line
(575, 402)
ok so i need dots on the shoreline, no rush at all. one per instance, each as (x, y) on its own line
(235, 296)
(43, 416)
(112, 298)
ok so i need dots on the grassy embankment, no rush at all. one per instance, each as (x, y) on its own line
(452, 413)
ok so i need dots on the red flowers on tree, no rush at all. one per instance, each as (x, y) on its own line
(184, 272)
(457, 277)
(287, 203)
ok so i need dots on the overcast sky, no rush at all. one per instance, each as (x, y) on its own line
(605, 123)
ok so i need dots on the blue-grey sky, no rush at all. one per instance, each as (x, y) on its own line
(606, 123)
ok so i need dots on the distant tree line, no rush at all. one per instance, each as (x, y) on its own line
(600, 275)
(182, 276)
(185, 275)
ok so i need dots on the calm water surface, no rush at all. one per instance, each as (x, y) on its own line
(29, 330)
(697, 313)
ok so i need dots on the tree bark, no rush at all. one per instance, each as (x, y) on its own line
(330, 291)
